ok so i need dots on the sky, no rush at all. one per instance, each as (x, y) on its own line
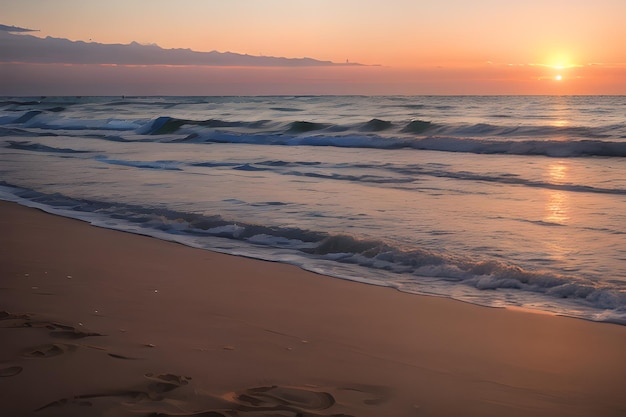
(405, 46)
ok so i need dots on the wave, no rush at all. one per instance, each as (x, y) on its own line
(479, 138)
(551, 148)
(15, 132)
(18, 103)
(286, 109)
(376, 125)
(402, 174)
(166, 125)
(417, 127)
(49, 119)
(28, 146)
(377, 133)
(163, 165)
(476, 273)
(27, 116)
(304, 127)
(415, 265)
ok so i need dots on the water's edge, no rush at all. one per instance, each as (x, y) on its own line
(322, 270)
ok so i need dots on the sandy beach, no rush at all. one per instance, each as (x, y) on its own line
(95, 322)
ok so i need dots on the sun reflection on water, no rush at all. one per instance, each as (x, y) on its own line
(560, 113)
(557, 212)
(560, 123)
(557, 206)
(557, 172)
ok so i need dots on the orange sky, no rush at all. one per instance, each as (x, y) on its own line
(422, 47)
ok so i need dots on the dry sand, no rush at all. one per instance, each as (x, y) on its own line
(96, 322)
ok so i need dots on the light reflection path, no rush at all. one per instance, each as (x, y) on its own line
(557, 212)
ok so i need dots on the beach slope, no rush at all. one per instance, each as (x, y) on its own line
(96, 322)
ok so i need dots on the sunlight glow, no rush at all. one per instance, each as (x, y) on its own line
(558, 77)
(557, 173)
(557, 206)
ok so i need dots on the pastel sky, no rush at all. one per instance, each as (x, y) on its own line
(408, 46)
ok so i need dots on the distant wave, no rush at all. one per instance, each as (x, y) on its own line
(16, 132)
(286, 109)
(398, 175)
(51, 119)
(164, 125)
(417, 127)
(19, 103)
(376, 125)
(164, 165)
(304, 127)
(376, 133)
(403, 174)
(27, 146)
(27, 116)
(552, 148)
(555, 148)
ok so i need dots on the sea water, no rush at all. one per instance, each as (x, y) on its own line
(497, 201)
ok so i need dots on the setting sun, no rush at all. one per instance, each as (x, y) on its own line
(558, 77)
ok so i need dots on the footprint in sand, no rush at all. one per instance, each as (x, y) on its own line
(10, 371)
(13, 320)
(72, 334)
(48, 350)
(79, 402)
(157, 399)
(365, 394)
(165, 382)
(292, 397)
(147, 400)
(5, 315)
(58, 330)
(124, 357)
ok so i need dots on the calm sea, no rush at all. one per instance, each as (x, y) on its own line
(498, 201)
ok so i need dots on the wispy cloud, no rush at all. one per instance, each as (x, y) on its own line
(30, 49)
(15, 29)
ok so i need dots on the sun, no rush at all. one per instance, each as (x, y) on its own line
(558, 77)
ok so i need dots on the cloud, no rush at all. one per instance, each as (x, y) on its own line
(30, 49)
(6, 28)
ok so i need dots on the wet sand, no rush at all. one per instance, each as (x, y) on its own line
(96, 322)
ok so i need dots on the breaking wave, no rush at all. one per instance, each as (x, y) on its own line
(377, 133)
(306, 247)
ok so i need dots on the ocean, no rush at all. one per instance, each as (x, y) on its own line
(495, 200)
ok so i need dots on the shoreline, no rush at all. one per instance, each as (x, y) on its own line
(100, 321)
(544, 306)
